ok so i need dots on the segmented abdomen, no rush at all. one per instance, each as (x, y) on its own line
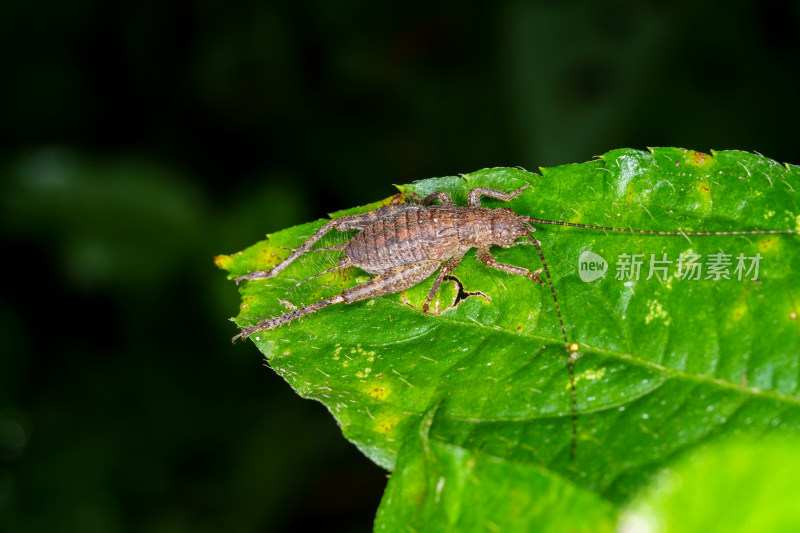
(410, 237)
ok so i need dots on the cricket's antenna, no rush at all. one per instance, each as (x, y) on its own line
(657, 232)
(570, 361)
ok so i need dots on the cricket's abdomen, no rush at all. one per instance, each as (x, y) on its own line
(412, 236)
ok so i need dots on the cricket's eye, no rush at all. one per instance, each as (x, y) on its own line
(504, 233)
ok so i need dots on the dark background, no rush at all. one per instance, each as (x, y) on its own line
(138, 140)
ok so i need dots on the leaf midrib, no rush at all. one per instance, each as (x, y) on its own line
(665, 371)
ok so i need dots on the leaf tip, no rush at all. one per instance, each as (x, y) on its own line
(223, 261)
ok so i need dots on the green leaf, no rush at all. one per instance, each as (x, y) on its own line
(444, 487)
(755, 483)
(665, 364)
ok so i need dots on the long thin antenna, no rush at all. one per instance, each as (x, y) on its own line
(655, 232)
(570, 361)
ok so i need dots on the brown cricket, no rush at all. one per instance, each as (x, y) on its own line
(404, 244)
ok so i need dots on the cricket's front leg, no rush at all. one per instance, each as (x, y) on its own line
(474, 197)
(488, 259)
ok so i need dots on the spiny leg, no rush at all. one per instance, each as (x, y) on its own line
(474, 197)
(266, 274)
(515, 243)
(487, 258)
(345, 262)
(336, 248)
(387, 282)
(274, 322)
(446, 268)
(392, 280)
(351, 222)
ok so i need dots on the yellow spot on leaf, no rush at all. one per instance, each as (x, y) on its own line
(267, 257)
(386, 422)
(704, 191)
(768, 244)
(378, 392)
(698, 159)
(739, 311)
(223, 261)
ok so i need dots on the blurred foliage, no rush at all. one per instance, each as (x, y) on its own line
(139, 139)
(735, 486)
(109, 420)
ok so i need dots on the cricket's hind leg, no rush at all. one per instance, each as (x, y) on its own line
(274, 322)
(390, 281)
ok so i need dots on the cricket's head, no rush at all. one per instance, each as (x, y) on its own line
(507, 227)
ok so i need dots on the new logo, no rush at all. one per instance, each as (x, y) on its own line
(591, 266)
